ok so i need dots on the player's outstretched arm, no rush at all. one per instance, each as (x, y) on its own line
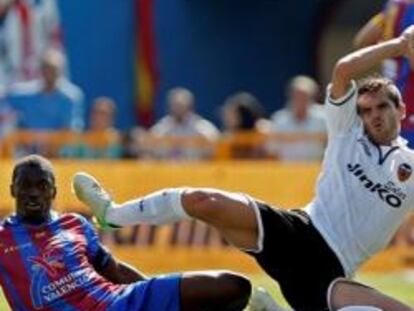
(119, 272)
(356, 63)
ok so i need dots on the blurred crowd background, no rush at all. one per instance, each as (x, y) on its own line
(188, 83)
(175, 80)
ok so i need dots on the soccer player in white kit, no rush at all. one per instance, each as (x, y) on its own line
(364, 191)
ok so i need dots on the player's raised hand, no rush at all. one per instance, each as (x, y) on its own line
(408, 44)
(408, 39)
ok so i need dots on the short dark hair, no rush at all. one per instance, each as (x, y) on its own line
(377, 84)
(248, 108)
(35, 161)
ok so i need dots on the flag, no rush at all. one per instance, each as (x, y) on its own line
(145, 62)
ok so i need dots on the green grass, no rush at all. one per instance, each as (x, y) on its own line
(398, 285)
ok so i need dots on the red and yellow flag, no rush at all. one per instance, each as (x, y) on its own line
(145, 62)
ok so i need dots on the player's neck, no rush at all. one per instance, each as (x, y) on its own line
(34, 221)
(389, 143)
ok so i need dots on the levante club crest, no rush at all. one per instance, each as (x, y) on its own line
(404, 172)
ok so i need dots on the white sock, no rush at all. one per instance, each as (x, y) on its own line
(157, 208)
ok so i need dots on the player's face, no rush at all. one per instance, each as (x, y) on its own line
(381, 119)
(34, 191)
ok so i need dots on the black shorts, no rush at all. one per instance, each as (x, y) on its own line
(297, 257)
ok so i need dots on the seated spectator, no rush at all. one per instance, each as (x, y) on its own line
(27, 29)
(183, 122)
(50, 103)
(101, 140)
(7, 117)
(242, 117)
(136, 143)
(300, 116)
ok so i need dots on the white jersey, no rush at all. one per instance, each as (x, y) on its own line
(364, 190)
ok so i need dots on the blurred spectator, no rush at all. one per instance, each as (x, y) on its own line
(394, 18)
(242, 117)
(183, 122)
(101, 140)
(27, 29)
(300, 116)
(133, 143)
(102, 115)
(49, 103)
(7, 117)
(242, 112)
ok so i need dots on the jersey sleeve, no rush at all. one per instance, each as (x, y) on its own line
(98, 255)
(341, 114)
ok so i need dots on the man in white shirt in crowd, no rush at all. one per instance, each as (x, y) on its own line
(183, 122)
(300, 116)
(364, 192)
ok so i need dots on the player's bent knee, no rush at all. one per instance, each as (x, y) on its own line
(235, 284)
(236, 289)
(214, 290)
(338, 296)
(348, 295)
(201, 203)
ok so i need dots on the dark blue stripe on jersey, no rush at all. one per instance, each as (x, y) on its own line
(101, 259)
(405, 68)
(337, 104)
(68, 247)
(17, 300)
(21, 236)
(98, 255)
(381, 157)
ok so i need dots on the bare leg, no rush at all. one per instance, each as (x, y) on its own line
(214, 291)
(345, 293)
(232, 214)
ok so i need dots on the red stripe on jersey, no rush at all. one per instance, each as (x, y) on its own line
(11, 260)
(40, 237)
(408, 98)
(73, 226)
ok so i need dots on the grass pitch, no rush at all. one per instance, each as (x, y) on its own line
(398, 285)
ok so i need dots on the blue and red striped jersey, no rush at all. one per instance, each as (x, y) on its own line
(398, 15)
(49, 267)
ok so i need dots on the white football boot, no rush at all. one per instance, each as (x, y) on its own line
(88, 190)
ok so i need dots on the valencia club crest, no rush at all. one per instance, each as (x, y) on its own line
(404, 172)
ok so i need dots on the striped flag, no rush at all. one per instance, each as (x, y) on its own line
(145, 64)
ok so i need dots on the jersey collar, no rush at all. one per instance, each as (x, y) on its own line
(15, 220)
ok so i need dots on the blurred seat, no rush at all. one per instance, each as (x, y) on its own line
(239, 145)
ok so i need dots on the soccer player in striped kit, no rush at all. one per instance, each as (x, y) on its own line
(53, 262)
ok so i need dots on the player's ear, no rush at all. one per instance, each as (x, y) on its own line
(12, 191)
(402, 110)
(54, 191)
